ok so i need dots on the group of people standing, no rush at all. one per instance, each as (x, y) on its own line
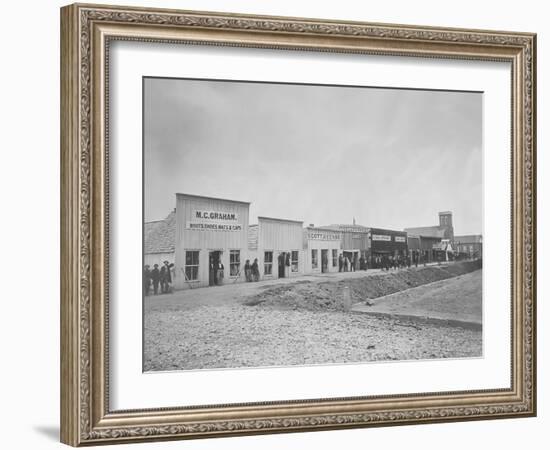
(156, 278)
(216, 272)
(349, 264)
(346, 264)
(252, 271)
(384, 262)
(387, 262)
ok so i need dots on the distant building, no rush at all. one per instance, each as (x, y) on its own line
(372, 244)
(353, 228)
(322, 247)
(159, 239)
(278, 246)
(470, 245)
(385, 243)
(423, 249)
(355, 241)
(443, 231)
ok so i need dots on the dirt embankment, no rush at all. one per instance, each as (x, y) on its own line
(328, 295)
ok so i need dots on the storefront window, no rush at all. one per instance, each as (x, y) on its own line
(192, 265)
(334, 258)
(234, 262)
(294, 261)
(314, 259)
(268, 263)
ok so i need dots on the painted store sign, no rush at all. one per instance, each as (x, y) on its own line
(214, 221)
(323, 236)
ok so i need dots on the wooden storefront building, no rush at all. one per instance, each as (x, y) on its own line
(386, 243)
(211, 234)
(322, 247)
(355, 242)
(277, 244)
(426, 249)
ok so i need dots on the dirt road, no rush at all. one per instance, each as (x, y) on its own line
(216, 329)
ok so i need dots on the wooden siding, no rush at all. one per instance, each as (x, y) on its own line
(413, 242)
(330, 240)
(352, 240)
(158, 258)
(281, 235)
(392, 244)
(260, 254)
(208, 240)
(203, 239)
(468, 239)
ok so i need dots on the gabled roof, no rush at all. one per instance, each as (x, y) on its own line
(347, 227)
(159, 236)
(387, 230)
(275, 219)
(203, 197)
(434, 231)
(468, 239)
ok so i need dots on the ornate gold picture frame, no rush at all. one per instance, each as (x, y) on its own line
(87, 31)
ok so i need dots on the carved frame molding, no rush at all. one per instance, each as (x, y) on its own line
(86, 31)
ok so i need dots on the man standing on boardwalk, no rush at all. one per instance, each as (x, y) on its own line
(248, 271)
(146, 280)
(155, 278)
(166, 277)
(255, 270)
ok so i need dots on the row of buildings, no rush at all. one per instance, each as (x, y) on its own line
(203, 234)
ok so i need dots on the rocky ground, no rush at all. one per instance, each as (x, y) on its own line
(266, 325)
(240, 336)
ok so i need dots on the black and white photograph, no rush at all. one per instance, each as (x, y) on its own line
(304, 224)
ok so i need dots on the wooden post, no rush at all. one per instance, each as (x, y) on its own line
(347, 298)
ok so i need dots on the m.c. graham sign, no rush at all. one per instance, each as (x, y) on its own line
(214, 221)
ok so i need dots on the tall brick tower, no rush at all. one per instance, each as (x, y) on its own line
(446, 223)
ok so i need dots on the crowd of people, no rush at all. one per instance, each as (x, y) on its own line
(156, 278)
(351, 264)
(387, 262)
(345, 264)
(384, 262)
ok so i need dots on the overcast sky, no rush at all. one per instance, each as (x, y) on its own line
(391, 158)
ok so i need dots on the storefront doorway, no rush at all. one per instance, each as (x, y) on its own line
(282, 261)
(214, 258)
(353, 257)
(324, 261)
